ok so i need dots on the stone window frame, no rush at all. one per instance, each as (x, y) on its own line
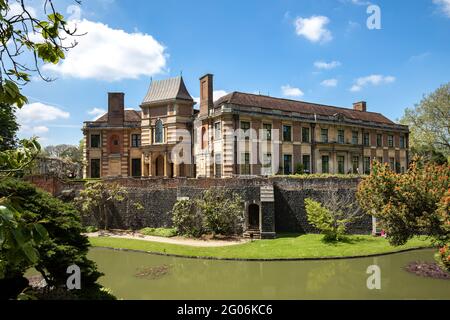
(308, 140)
(245, 134)
(366, 139)
(139, 140)
(339, 136)
(99, 168)
(402, 142)
(292, 163)
(323, 134)
(355, 137)
(327, 162)
(159, 125)
(379, 140)
(355, 169)
(338, 163)
(217, 131)
(267, 165)
(243, 164)
(267, 135)
(306, 168)
(390, 140)
(99, 140)
(287, 125)
(367, 163)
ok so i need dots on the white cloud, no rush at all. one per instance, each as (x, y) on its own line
(110, 54)
(33, 130)
(74, 11)
(327, 65)
(444, 5)
(16, 9)
(374, 79)
(39, 112)
(329, 83)
(289, 91)
(217, 94)
(313, 28)
(96, 112)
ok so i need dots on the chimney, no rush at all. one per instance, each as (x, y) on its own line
(116, 108)
(360, 106)
(206, 94)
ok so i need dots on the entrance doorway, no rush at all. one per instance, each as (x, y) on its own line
(253, 217)
(159, 169)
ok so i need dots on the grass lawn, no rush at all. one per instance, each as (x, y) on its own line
(284, 247)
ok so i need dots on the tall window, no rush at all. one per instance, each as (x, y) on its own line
(218, 165)
(245, 127)
(355, 137)
(325, 164)
(287, 133)
(341, 136)
(267, 129)
(355, 164)
(324, 135)
(267, 164)
(95, 168)
(341, 164)
(159, 132)
(95, 141)
(367, 165)
(136, 167)
(135, 140)
(402, 142)
(390, 141)
(287, 164)
(204, 138)
(379, 140)
(217, 131)
(307, 163)
(366, 139)
(305, 135)
(245, 163)
(392, 163)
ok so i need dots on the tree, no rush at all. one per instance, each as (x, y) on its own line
(8, 127)
(428, 154)
(333, 214)
(429, 121)
(22, 33)
(410, 204)
(15, 162)
(64, 151)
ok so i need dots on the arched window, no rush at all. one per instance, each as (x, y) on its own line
(159, 132)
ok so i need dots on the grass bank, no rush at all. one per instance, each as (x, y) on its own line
(284, 247)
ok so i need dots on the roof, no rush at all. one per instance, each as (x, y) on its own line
(130, 116)
(167, 89)
(301, 107)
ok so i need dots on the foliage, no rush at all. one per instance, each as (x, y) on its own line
(159, 232)
(188, 219)
(299, 168)
(22, 33)
(8, 127)
(427, 153)
(90, 229)
(15, 162)
(64, 151)
(321, 218)
(64, 245)
(429, 121)
(216, 211)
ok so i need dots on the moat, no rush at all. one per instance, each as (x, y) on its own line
(134, 275)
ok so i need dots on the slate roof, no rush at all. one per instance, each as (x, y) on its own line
(301, 107)
(130, 116)
(167, 89)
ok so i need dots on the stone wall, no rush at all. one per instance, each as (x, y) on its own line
(286, 214)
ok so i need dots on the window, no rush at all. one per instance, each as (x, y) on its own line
(355, 165)
(367, 165)
(324, 135)
(245, 127)
(135, 140)
(307, 163)
(341, 136)
(287, 164)
(390, 141)
(136, 167)
(217, 131)
(267, 164)
(392, 163)
(204, 138)
(325, 164)
(355, 137)
(218, 165)
(366, 139)
(287, 133)
(245, 163)
(267, 129)
(305, 135)
(159, 132)
(379, 140)
(95, 141)
(402, 142)
(95, 168)
(341, 164)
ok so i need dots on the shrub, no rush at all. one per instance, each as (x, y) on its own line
(321, 218)
(299, 168)
(90, 229)
(65, 244)
(188, 219)
(159, 232)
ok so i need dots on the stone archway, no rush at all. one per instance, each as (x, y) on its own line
(253, 217)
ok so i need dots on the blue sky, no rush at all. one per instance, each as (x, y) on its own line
(312, 50)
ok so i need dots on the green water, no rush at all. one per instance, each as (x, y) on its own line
(211, 279)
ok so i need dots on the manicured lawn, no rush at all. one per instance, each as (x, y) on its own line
(286, 246)
(159, 232)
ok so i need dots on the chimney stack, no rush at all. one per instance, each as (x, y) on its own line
(206, 94)
(116, 108)
(360, 106)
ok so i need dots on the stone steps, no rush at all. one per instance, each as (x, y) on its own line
(252, 234)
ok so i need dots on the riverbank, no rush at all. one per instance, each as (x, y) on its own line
(285, 247)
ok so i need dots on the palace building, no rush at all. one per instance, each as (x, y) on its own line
(240, 134)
